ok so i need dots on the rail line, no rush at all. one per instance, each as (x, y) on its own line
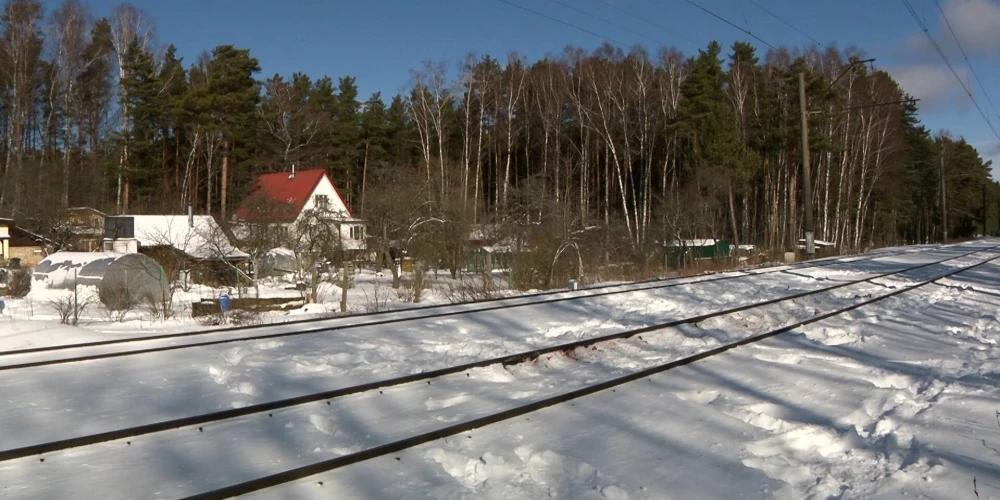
(515, 358)
(451, 430)
(496, 305)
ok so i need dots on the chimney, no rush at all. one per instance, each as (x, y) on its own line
(292, 175)
(190, 216)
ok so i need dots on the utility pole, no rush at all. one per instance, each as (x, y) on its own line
(806, 180)
(944, 200)
(807, 211)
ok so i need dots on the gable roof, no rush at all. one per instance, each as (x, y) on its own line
(283, 188)
(19, 236)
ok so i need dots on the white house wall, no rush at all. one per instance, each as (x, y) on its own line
(336, 205)
(4, 242)
(325, 188)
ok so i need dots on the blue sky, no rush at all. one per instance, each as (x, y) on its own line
(381, 41)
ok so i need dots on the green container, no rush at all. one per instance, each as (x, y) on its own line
(696, 249)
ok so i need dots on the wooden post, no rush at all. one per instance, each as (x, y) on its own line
(944, 200)
(806, 180)
(343, 286)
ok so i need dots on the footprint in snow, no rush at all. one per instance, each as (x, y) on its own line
(219, 375)
(245, 388)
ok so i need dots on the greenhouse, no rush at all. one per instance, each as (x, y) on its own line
(133, 276)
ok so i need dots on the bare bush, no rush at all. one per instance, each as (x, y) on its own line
(70, 308)
(214, 319)
(405, 292)
(159, 309)
(471, 290)
(378, 301)
(243, 317)
(64, 307)
(119, 301)
(236, 317)
(524, 273)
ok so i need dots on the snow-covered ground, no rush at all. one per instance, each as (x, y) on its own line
(896, 398)
(372, 292)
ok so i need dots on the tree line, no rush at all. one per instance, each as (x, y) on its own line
(623, 149)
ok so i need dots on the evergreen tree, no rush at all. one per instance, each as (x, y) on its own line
(141, 89)
(234, 99)
(400, 144)
(374, 135)
(714, 153)
(345, 132)
(173, 79)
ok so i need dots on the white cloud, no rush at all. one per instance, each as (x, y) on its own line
(976, 22)
(934, 85)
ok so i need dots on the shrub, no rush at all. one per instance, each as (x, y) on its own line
(378, 301)
(471, 290)
(70, 307)
(119, 300)
(20, 283)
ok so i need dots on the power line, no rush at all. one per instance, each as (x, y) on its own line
(713, 14)
(962, 49)
(612, 23)
(872, 105)
(743, 12)
(564, 23)
(923, 26)
(786, 23)
(647, 21)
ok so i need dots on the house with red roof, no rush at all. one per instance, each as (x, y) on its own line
(283, 198)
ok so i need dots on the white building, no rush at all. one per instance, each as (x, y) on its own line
(197, 237)
(285, 197)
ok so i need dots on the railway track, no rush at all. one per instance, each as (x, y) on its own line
(297, 473)
(89, 351)
(455, 429)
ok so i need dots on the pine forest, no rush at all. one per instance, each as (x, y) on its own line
(616, 150)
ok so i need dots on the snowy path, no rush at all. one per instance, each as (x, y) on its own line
(55, 402)
(286, 437)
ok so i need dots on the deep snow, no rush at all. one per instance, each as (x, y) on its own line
(893, 398)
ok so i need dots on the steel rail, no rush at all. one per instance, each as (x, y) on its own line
(451, 430)
(333, 328)
(74, 442)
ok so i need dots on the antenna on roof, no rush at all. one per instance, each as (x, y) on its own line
(292, 175)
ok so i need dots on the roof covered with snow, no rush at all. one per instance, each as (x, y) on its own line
(69, 269)
(819, 243)
(696, 243)
(205, 240)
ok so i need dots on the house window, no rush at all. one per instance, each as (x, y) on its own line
(322, 201)
(357, 232)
